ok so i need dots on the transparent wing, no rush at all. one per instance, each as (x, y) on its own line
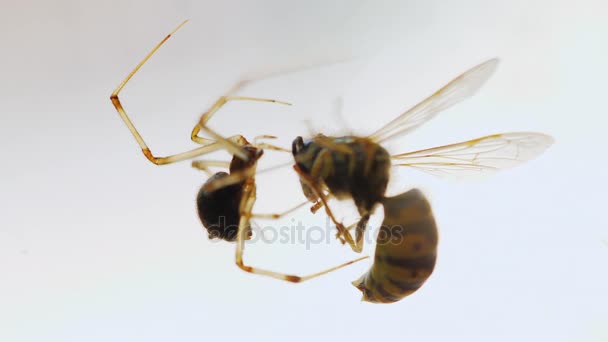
(478, 156)
(457, 90)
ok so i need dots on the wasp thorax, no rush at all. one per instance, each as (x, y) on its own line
(347, 166)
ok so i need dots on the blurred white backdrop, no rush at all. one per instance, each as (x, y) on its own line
(97, 244)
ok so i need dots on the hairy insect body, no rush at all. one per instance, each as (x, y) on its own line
(350, 167)
(406, 250)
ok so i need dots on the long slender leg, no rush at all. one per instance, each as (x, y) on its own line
(323, 164)
(239, 176)
(360, 231)
(319, 204)
(247, 204)
(204, 165)
(234, 148)
(266, 146)
(211, 147)
(263, 136)
(342, 231)
(230, 97)
(360, 225)
(205, 117)
(202, 125)
(279, 215)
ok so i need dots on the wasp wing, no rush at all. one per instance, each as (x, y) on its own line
(478, 156)
(457, 90)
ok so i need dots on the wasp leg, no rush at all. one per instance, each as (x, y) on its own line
(247, 204)
(343, 234)
(361, 225)
(360, 231)
(319, 204)
(324, 164)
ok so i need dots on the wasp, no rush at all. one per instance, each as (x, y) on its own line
(358, 167)
(225, 201)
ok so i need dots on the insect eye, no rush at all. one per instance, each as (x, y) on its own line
(297, 145)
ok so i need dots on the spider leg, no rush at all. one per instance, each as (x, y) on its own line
(247, 204)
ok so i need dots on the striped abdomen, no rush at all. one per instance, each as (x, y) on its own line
(406, 250)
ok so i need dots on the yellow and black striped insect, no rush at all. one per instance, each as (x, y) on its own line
(406, 249)
(358, 168)
(225, 201)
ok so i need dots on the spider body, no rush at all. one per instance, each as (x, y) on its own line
(219, 209)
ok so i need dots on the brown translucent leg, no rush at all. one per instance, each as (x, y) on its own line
(231, 97)
(247, 204)
(239, 176)
(318, 205)
(343, 234)
(211, 147)
(360, 232)
(260, 137)
(219, 103)
(266, 146)
(205, 117)
(360, 228)
(202, 124)
(204, 165)
(323, 164)
(231, 146)
(279, 215)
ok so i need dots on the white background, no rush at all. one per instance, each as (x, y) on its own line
(97, 244)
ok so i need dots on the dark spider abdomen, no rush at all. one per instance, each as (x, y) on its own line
(219, 209)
